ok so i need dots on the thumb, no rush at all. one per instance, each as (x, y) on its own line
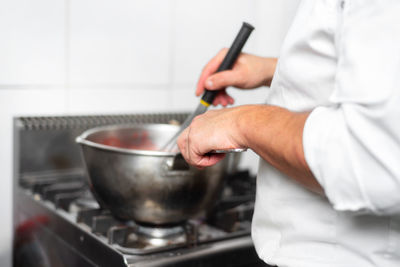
(224, 79)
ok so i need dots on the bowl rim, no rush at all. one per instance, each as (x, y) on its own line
(82, 139)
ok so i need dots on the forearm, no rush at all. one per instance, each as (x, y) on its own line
(275, 134)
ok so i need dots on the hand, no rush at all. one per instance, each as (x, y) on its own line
(215, 129)
(248, 72)
(274, 133)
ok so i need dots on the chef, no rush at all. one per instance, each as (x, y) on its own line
(328, 185)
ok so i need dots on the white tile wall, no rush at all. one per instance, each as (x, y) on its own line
(117, 100)
(183, 97)
(117, 56)
(32, 46)
(120, 41)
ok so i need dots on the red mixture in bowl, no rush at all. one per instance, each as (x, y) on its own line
(138, 141)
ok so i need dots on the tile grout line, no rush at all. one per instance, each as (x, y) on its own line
(172, 41)
(67, 55)
(257, 21)
(55, 86)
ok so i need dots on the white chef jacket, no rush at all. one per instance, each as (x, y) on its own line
(340, 59)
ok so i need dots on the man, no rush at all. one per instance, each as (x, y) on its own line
(328, 187)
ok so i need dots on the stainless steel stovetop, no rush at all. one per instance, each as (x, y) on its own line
(58, 223)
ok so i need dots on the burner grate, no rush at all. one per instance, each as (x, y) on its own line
(69, 192)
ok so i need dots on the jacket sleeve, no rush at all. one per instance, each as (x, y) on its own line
(353, 145)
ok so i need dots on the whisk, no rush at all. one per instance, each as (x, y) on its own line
(208, 96)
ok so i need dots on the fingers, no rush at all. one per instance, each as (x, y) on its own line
(182, 142)
(209, 69)
(209, 159)
(192, 156)
(185, 148)
(223, 99)
(224, 79)
(218, 81)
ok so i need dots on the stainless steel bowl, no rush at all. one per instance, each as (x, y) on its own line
(147, 186)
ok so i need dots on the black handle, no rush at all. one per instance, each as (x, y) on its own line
(230, 57)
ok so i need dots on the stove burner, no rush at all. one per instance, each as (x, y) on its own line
(85, 201)
(159, 231)
(153, 237)
(229, 219)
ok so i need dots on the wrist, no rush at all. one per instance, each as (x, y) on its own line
(259, 125)
(245, 124)
(268, 70)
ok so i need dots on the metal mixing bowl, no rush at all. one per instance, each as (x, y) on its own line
(147, 186)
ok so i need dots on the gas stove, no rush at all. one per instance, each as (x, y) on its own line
(59, 223)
